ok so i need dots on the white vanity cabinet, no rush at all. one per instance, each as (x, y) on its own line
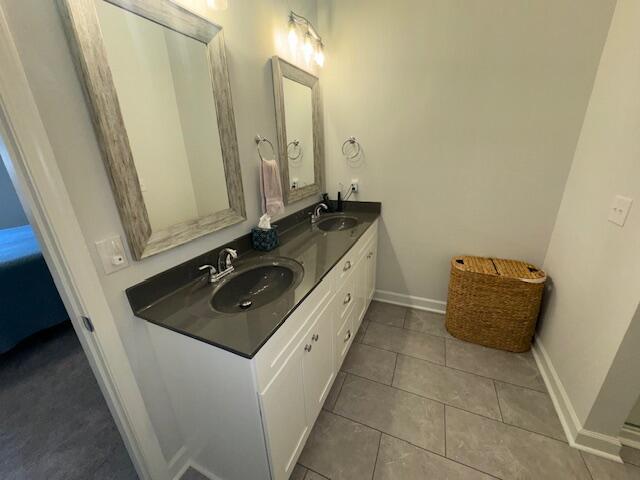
(309, 350)
(246, 418)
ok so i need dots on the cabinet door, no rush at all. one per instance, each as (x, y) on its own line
(317, 364)
(371, 259)
(284, 415)
(361, 288)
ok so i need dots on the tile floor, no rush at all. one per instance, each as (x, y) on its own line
(412, 402)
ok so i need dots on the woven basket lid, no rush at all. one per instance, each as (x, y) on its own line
(500, 267)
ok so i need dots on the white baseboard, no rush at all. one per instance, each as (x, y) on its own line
(630, 436)
(578, 437)
(179, 463)
(190, 463)
(419, 303)
(204, 471)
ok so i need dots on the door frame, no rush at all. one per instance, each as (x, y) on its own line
(33, 169)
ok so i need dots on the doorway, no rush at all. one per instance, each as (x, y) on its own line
(55, 421)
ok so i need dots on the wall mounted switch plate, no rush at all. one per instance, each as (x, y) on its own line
(620, 209)
(112, 254)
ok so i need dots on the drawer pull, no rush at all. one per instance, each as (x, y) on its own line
(315, 337)
(347, 299)
(370, 255)
(308, 347)
(346, 339)
(347, 266)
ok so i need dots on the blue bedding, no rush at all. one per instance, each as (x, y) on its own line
(29, 300)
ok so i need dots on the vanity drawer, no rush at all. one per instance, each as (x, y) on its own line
(343, 338)
(345, 266)
(345, 296)
(273, 354)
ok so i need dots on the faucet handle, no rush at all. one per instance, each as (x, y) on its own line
(232, 254)
(211, 268)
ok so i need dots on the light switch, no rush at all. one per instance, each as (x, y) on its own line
(620, 209)
(112, 255)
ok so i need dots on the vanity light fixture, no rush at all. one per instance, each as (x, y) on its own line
(312, 46)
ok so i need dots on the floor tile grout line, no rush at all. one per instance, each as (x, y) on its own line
(445, 353)
(404, 319)
(346, 375)
(445, 341)
(564, 442)
(394, 351)
(495, 387)
(413, 445)
(417, 395)
(375, 462)
(311, 470)
(454, 368)
(395, 367)
(444, 416)
(586, 465)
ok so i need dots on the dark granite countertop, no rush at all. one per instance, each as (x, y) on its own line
(186, 309)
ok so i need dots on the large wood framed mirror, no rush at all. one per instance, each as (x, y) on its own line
(300, 130)
(156, 79)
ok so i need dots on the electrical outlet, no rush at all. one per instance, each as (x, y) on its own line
(112, 255)
(620, 210)
(355, 185)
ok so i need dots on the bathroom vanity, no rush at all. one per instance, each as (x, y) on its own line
(247, 386)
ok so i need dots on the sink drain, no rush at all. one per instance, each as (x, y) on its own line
(245, 304)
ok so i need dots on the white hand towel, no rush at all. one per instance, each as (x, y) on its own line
(270, 186)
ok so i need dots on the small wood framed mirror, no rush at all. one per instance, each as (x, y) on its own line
(300, 130)
(155, 76)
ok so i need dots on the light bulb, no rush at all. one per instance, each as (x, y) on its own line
(293, 35)
(307, 48)
(320, 56)
(218, 4)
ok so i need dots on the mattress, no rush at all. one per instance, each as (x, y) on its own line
(29, 300)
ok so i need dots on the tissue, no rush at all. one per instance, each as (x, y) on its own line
(265, 222)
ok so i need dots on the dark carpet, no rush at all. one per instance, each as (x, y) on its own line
(54, 421)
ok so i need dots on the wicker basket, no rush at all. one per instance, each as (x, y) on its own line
(494, 302)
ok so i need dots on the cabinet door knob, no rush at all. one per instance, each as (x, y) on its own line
(315, 337)
(347, 299)
(348, 336)
(308, 347)
(370, 255)
(347, 266)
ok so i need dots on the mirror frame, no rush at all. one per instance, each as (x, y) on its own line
(87, 45)
(283, 69)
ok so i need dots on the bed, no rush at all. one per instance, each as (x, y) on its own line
(29, 300)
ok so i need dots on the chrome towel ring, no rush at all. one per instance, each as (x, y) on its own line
(261, 140)
(351, 148)
(291, 147)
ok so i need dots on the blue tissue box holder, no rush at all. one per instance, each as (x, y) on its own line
(264, 240)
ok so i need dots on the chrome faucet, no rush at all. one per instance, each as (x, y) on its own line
(224, 260)
(315, 216)
(212, 272)
(224, 265)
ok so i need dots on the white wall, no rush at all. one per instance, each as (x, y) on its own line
(253, 31)
(594, 264)
(468, 113)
